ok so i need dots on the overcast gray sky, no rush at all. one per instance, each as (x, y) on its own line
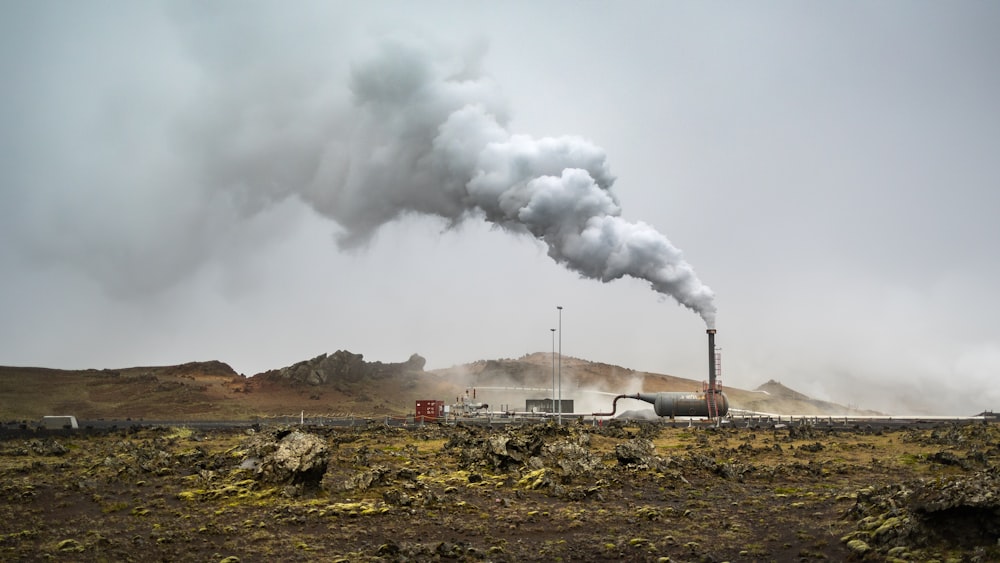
(260, 183)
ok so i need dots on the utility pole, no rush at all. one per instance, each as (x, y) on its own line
(559, 412)
(553, 368)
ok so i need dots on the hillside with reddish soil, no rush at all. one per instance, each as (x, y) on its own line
(345, 384)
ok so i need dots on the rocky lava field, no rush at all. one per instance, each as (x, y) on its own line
(538, 492)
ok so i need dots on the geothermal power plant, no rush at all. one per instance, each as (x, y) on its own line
(708, 403)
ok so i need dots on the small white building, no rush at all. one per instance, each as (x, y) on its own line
(59, 422)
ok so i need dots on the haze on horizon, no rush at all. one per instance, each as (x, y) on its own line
(828, 170)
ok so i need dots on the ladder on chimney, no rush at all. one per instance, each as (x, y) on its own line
(718, 363)
(711, 389)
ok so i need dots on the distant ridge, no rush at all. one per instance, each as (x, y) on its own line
(776, 389)
(344, 382)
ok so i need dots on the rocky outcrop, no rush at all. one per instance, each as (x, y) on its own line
(342, 367)
(498, 452)
(541, 457)
(638, 452)
(915, 521)
(969, 504)
(288, 456)
(213, 367)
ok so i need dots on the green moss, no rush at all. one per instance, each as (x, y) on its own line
(70, 545)
(360, 508)
(179, 432)
(533, 479)
(114, 507)
(649, 512)
(635, 542)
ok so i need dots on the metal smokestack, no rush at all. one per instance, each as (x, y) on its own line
(711, 359)
(712, 403)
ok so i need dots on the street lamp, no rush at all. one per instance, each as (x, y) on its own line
(553, 368)
(559, 412)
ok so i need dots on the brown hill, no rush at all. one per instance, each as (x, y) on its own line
(196, 389)
(342, 384)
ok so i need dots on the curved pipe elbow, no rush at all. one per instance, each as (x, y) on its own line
(614, 404)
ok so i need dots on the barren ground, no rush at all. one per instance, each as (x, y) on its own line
(650, 492)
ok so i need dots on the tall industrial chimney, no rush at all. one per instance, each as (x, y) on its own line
(712, 404)
(711, 360)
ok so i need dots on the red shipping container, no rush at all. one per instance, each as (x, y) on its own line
(429, 409)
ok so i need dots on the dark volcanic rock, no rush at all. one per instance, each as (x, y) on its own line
(978, 492)
(290, 457)
(947, 512)
(532, 446)
(342, 367)
(637, 452)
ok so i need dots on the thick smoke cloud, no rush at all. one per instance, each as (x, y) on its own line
(429, 137)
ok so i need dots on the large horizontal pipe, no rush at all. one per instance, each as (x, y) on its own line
(675, 404)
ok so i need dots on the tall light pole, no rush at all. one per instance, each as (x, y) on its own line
(560, 365)
(553, 366)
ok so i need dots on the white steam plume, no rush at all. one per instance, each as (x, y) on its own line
(428, 136)
(171, 158)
